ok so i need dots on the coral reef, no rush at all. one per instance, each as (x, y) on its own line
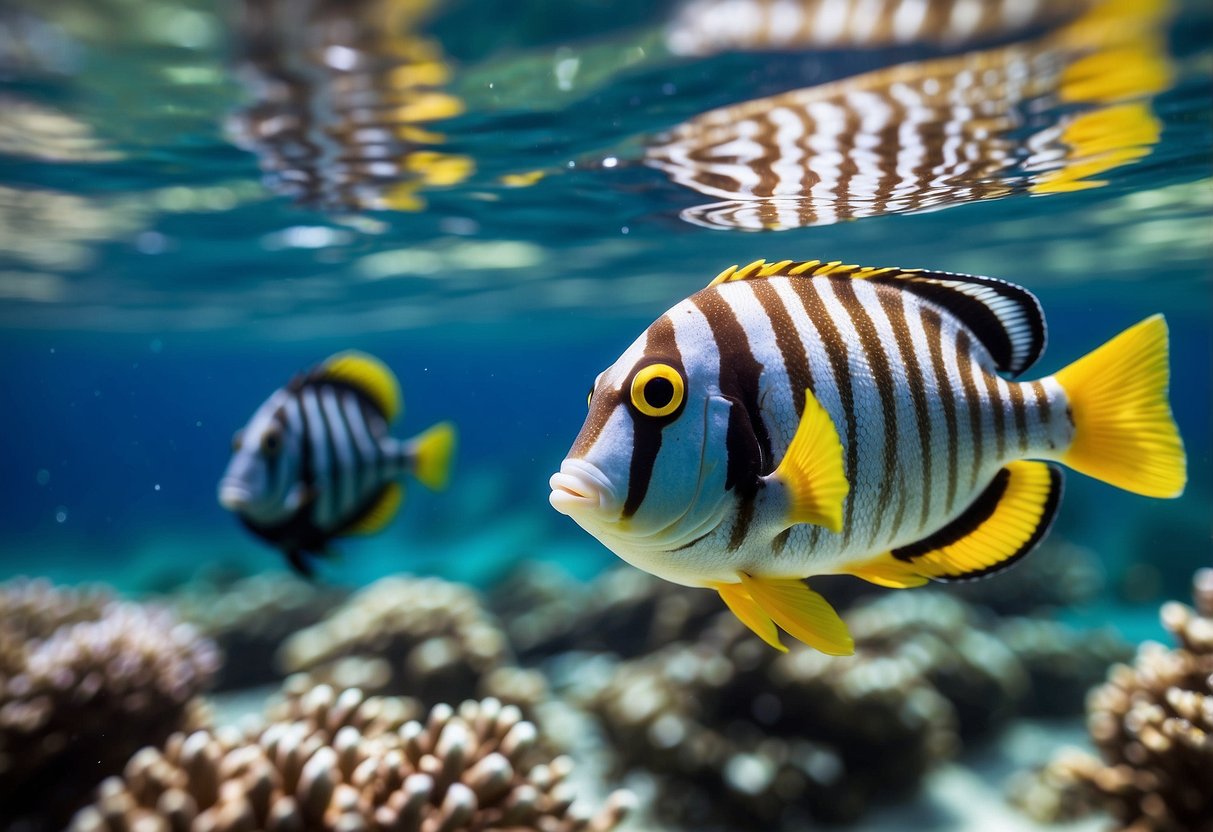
(737, 733)
(1152, 723)
(1062, 663)
(250, 618)
(623, 611)
(328, 761)
(85, 681)
(420, 637)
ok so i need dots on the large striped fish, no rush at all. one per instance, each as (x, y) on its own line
(316, 462)
(797, 419)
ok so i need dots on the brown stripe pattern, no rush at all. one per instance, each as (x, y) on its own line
(933, 328)
(972, 401)
(882, 374)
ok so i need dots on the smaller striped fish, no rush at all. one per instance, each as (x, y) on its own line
(798, 419)
(316, 462)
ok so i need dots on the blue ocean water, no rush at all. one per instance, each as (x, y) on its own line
(162, 269)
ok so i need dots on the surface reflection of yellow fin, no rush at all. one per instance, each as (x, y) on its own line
(812, 470)
(380, 513)
(1099, 141)
(800, 611)
(368, 375)
(750, 614)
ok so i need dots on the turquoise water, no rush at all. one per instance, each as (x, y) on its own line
(156, 287)
(194, 206)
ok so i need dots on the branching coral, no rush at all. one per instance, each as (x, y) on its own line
(1153, 726)
(420, 637)
(251, 618)
(86, 680)
(347, 762)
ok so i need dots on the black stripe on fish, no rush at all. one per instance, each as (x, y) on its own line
(1019, 410)
(972, 399)
(894, 308)
(660, 346)
(836, 350)
(791, 347)
(1042, 402)
(933, 329)
(747, 441)
(882, 374)
(1000, 428)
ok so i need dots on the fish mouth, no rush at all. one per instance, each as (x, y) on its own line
(579, 487)
(233, 496)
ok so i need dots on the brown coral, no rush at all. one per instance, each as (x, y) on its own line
(86, 680)
(251, 618)
(421, 637)
(1153, 725)
(737, 731)
(347, 762)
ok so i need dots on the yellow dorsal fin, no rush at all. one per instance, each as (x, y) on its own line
(380, 513)
(812, 470)
(750, 614)
(367, 374)
(1124, 433)
(432, 453)
(800, 611)
(1003, 524)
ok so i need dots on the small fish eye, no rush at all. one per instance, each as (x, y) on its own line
(237, 440)
(658, 390)
(271, 443)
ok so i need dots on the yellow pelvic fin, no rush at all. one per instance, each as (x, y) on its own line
(381, 512)
(1124, 433)
(801, 612)
(812, 470)
(432, 454)
(885, 570)
(750, 614)
(367, 374)
(1003, 524)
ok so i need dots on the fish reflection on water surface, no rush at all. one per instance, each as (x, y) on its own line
(703, 27)
(798, 419)
(345, 97)
(316, 462)
(926, 135)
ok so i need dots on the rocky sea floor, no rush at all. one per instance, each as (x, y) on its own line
(626, 703)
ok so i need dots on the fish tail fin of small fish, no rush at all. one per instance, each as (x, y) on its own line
(803, 613)
(812, 470)
(379, 512)
(367, 374)
(742, 605)
(432, 452)
(1124, 432)
(1002, 525)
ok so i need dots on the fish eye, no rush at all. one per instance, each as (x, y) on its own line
(657, 390)
(271, 442)
(237, 440)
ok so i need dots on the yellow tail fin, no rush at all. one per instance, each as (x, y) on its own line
(1124, 433)
(432, 453)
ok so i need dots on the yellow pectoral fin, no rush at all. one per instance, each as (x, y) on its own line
(801, 612)
(380, 513)
(750, 614)
(812, 470)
